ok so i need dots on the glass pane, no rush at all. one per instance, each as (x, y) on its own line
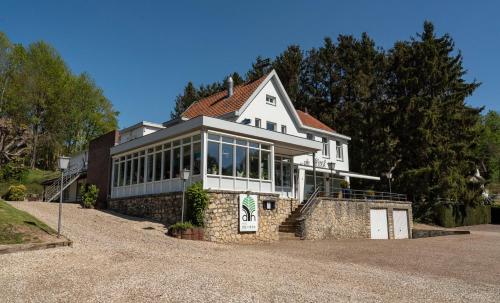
(134, 155)
(213, 158)
(166, 145)
(166, 164)
(150, 168)
(227, 159)
(157, 166)
(196, 158)
(277, 172)
(115, 175)
(134, 170)
(227, 140)
(127, 172)
(264, 165)
(186, 140)
(142, 165)
(287, 174)
(176, 142)
(241, 161)
(213, 137)
(253, 144)
(265, 146)
(150, 150)
(253, 155)
(241, 142)
(176, 173)
(122, 174)
(158, 148)
(196, 137)
(186, 157)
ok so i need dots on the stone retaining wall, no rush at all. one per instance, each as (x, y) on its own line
(346, 219)
(221, 216)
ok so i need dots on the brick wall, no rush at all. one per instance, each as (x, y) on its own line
(99, 165)
(343, 219)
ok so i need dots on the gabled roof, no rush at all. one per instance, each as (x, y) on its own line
(310, 121)
(220, 104)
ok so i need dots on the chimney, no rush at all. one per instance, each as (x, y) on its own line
(230, 84)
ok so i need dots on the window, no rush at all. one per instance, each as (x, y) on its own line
(158, 166)
(122, 174)
(213, 158)
(283, 129)
(227, 159)
(166, 164)
(254, 163)
(176, 171)
(241, 161)
(265, 162)
(271, 126)
(271, 100)
(257, 122)
(142, 165)
(135, 162)
(115, 175)
(326, 147)
(149, 168)
(340, 151)
(196, 158)
(186, 157)
(310, 136)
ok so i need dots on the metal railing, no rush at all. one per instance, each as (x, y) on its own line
(310, 201)
(69, 176)
(366, 195)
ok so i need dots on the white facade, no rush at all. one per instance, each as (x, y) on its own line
(232, 152)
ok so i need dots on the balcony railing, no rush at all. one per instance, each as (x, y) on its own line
(366, 195)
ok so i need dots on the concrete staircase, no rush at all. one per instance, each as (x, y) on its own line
(288, 230)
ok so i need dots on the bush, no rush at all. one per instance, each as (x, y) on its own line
(452, 215)
(15, 193)
(197, 200)
(344, 184)
(179, 226)
(12, 171)
(89, 193)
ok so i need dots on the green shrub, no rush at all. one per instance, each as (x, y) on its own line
(16, 193)
(197, 201)
(89, 193)
(180, 226)
(12, 171)
(344, 184)
(452, 215)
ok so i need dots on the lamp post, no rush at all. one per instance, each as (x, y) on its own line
(184, 177)
(63, 165)
(389, 176)
(331, 166)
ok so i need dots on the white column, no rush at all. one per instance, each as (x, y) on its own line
(204, 151)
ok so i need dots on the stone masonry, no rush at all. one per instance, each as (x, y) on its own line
(347, 219)
(222, 218)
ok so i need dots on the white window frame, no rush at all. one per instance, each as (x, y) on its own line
(273, 124)
(326, 147)
(339, 151)
(283, 129)
(271, 100)
(258, 122)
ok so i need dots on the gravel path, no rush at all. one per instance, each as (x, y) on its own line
(120, 259)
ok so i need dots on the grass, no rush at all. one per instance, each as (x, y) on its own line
(32, 179)
(17, 226)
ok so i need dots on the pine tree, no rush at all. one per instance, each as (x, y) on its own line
(288, 67)
(183, 101)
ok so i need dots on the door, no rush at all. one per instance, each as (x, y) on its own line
(400, 224)
(378, 224)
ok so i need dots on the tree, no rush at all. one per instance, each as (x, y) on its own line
(183, 101)
(288, 67)
(260, 67)
(488, 147)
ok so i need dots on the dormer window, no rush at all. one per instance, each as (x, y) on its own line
(271, 100)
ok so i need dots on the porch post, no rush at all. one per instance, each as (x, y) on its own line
(314, 170)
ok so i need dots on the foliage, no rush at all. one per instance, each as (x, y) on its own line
(197, 200)
(15, 193)
(344, 184)
(180, 226)
(452, 215)
(11, 219)
(45, 109)
(488, 147)
(89, 194)
(31, 178)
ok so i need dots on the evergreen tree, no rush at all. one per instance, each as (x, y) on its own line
(288, 67)
(259, 68)
(183, 101)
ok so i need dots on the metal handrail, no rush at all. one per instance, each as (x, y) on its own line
(69, 176)
(309, 201)
(356, 194)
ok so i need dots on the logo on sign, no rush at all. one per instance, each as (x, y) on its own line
(249, 213)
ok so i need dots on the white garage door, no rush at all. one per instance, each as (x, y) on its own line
(400, 224)
(378, 223)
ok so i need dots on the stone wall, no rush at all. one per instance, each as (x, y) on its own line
(164, 208)
(344, 219)
(222, 218)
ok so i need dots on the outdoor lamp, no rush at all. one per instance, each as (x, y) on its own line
(389, 177)
(331, 166)
(63, 162)
(184, 177)
(63, 165)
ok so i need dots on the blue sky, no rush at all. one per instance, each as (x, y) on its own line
(142, 53)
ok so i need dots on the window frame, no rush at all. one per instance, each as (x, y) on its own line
(258, 123)
(339, 147)
(271, 100)
(326, 147)
(274, 124)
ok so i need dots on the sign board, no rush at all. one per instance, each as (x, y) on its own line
(249, 213)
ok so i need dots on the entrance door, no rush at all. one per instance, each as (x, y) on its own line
(400, 218)
(378, 224)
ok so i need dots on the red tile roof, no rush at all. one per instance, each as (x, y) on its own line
(310, 121)
(219, 104)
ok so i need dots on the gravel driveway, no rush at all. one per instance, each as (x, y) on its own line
(119, 259)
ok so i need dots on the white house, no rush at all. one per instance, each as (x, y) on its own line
(248, 138)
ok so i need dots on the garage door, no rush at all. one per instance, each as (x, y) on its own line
(378, 223)
(400, 224)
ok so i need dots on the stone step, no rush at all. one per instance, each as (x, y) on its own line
(288, 236)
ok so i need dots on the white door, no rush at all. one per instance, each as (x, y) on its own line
(378, 223)
(400, 224)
